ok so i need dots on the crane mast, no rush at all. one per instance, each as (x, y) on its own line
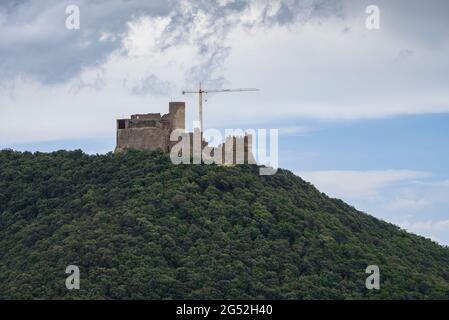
(201, 93)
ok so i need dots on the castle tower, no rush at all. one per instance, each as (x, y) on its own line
(177, 111)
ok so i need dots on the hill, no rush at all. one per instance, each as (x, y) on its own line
(139, 227)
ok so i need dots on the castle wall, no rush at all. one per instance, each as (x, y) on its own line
(150, 139)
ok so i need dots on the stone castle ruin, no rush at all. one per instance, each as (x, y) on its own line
(152, 132)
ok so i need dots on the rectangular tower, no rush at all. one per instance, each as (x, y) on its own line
(177, 111)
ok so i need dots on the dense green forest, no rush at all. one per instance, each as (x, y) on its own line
(139, 227)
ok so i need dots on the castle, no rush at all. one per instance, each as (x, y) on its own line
(152, 132)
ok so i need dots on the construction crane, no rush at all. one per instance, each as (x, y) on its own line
(201, 92)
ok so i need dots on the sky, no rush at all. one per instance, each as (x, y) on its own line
(363, 114)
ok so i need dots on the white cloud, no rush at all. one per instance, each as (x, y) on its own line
(36, 44)
(441, 184)
(408, 203)
(296, 130)
(435, 230)
(306, 69)
(358, 184)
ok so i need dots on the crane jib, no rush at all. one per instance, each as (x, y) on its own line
(200, 93)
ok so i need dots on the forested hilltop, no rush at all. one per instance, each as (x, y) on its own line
(139, 227)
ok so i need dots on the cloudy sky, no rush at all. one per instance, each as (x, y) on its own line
(363, 114)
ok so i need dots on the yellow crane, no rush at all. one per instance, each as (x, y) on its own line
(201, 92)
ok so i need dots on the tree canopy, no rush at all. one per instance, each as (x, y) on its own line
(140, 227)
